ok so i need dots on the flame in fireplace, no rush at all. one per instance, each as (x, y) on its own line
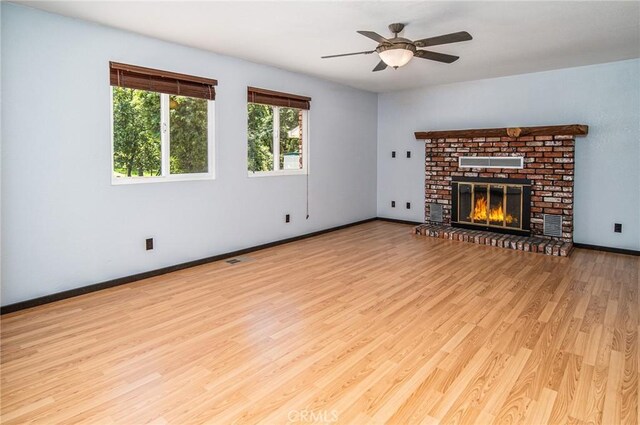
(480, 209)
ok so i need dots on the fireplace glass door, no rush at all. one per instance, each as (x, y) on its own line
(513, 207)
(494, 205)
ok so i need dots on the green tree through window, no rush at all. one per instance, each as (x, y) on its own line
(260, 137)
(266, 122)
(290, 137)
(136, 132)
(140, 135)
(188, 125)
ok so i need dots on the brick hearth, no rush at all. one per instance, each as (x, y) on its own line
(521, 243)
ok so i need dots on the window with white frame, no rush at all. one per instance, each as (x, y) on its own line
(277, 133)
(162, 125)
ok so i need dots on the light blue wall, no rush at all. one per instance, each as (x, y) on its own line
(606, 97)
(64, 225)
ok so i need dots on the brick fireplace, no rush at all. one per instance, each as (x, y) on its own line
(539, 159)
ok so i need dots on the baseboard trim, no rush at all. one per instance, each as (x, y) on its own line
(145, 275)
(395, 220)
(607, 249)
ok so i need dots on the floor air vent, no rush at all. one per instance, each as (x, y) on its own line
(236, 260)
(552, 225)
(435, 213)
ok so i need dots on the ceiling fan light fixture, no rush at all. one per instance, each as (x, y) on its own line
(396, 56)
(398, 51)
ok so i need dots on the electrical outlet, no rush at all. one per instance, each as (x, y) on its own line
(617, 227)
(287, 218)
(408, 154)
(393, 154)
(149, 244)
(408, 205)
(393, 204)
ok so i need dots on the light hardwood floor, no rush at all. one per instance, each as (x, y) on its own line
(369, 324)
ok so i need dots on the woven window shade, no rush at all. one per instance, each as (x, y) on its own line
(274, 98)
(138, 77)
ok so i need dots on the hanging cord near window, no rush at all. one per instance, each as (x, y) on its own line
(307, 176)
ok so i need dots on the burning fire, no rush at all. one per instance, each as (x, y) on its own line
(480, 209)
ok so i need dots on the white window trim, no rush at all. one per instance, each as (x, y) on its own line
(276, 149)
(165, 149)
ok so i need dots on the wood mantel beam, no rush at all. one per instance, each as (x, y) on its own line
(549, 130)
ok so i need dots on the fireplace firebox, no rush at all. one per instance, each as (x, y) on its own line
(494, 204)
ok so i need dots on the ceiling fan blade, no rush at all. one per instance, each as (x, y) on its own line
(444, 39)
(348, 54)
(439, 57)
(374, 36)
(380, 66)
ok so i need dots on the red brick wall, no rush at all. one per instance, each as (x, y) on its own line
(548, 163)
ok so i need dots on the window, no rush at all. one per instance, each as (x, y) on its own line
(277, 133)
(162, 127)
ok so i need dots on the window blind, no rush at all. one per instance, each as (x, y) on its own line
(138, 77)
(274, 98)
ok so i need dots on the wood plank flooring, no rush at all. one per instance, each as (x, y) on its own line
(368, 324)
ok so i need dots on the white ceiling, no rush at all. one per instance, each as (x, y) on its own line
(509, 37)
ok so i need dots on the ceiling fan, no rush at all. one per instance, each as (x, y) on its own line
(398, 51)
